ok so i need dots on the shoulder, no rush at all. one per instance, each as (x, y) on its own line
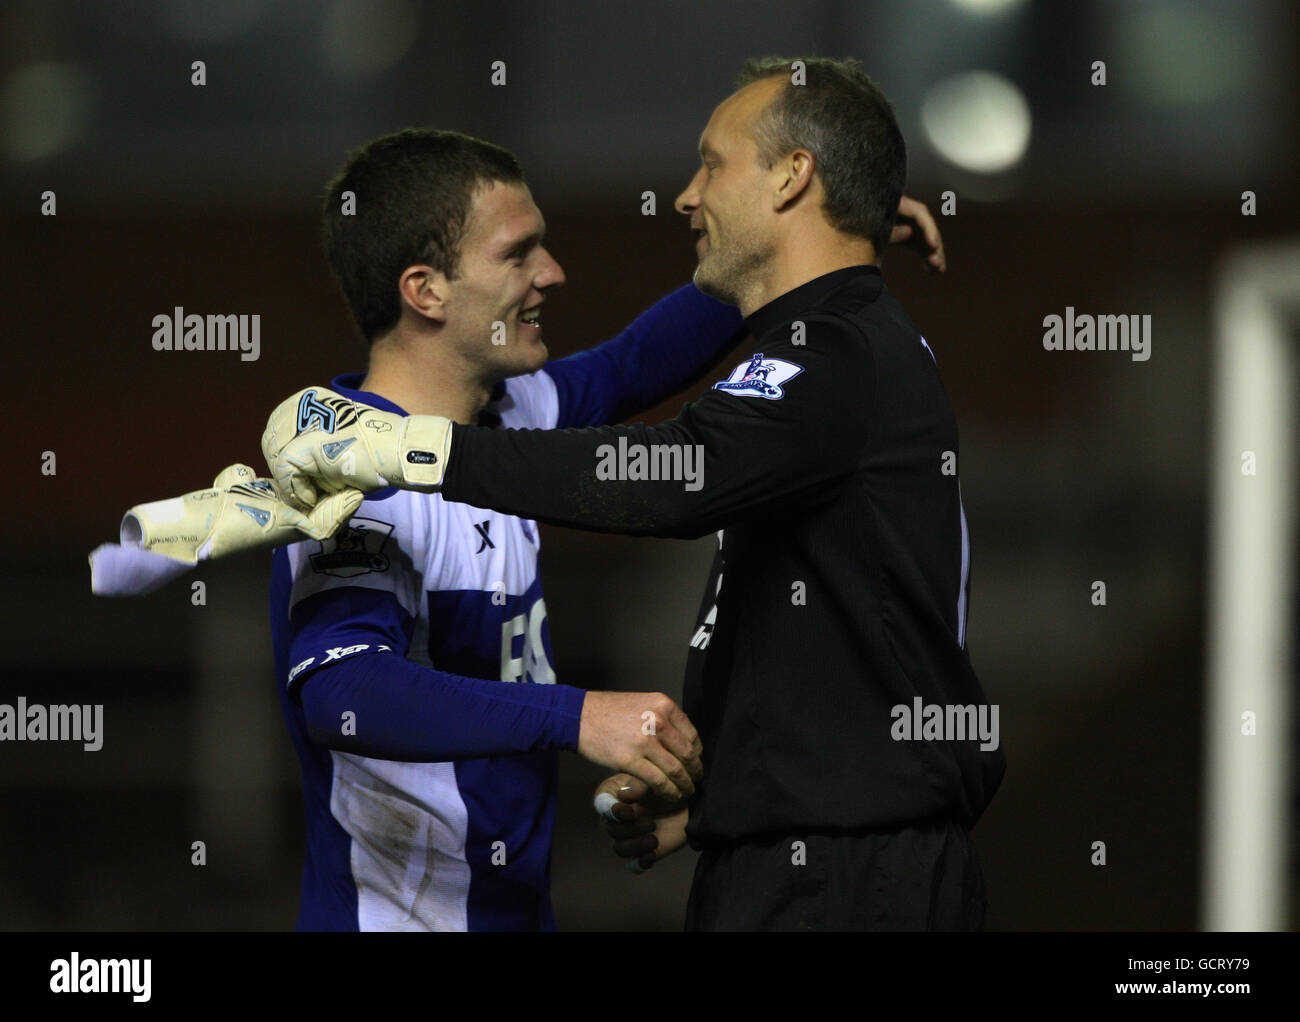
(384, 545)
(869, 332)
(871, 312)
(525, 402)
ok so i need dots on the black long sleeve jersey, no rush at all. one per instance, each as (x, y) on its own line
(828, 674)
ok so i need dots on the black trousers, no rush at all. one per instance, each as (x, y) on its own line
(920, 877)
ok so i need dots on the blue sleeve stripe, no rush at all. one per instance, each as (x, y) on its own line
(406, 712)
(663, 350)
(343, 622)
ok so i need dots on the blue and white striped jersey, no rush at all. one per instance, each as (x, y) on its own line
(424, 846)
(461, 844)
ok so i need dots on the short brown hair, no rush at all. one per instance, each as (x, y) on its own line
(414, 190)
(843, 118)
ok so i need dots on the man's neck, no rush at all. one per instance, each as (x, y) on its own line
(801, 264)
(425, 379)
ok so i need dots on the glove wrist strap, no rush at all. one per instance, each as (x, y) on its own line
(424, 446)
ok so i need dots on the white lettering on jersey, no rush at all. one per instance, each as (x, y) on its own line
(532, 657)
(535, 651)
(700, 640)
(512, 667)
(339, 652)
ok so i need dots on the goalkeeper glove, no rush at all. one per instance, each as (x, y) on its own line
(319, 442)
(239, 512)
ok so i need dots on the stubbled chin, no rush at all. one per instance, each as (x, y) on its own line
(713, 289)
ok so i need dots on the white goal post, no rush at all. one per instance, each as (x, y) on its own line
(1251, 586)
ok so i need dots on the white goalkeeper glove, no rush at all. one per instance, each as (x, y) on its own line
(239, 512)
(319, 442)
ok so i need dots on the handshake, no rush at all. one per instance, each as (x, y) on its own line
(644, 826)
(650, 739)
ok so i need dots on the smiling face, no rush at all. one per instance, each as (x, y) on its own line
(726, 199)
(493, 307)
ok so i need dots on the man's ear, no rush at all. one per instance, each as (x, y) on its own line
(795, 178)
(424, 291)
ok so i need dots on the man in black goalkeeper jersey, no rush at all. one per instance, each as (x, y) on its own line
(847, 741)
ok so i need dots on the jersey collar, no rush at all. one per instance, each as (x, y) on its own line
(349, 383)
(349, 386)
(803, 299)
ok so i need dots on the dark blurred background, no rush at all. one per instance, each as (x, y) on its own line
(1122, 198)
